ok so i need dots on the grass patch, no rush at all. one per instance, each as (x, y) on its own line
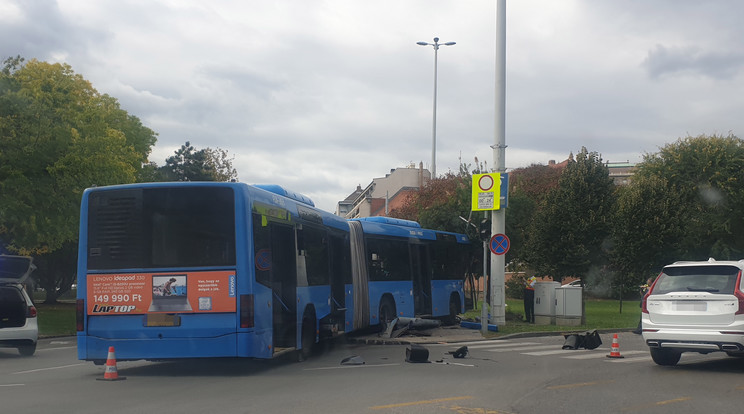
(57, 319)
(600, 314)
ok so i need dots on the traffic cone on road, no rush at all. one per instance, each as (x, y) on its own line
(615, 349)
(111, 374)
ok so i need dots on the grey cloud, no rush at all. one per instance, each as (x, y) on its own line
(669, 61)
(42, 32)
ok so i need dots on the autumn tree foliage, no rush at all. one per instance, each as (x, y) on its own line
(439, 204)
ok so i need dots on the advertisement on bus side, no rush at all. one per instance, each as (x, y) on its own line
(172, 292)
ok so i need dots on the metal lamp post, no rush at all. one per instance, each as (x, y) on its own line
(436, 45)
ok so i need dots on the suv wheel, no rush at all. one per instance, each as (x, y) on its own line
(665, 357)
(27, 350)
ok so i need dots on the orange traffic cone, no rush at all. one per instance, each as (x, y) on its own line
(111, 374)
(615, 349)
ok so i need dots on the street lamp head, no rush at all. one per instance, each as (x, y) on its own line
(422, 43)
(449, 43)
(436, 39)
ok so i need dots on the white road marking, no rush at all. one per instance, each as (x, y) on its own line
(350, 366)
(523, 348)
(48, 369)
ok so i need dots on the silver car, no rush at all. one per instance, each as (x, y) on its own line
(18, 323)
(695, 307)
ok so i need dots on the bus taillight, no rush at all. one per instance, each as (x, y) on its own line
(80, 315)
(246, 311)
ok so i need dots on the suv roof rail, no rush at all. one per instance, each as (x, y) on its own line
(710, 259)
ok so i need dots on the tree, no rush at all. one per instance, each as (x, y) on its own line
(685, 202)
(569, 232)
(190, 164)
(528, 188)
(648, 227)
(58, 136)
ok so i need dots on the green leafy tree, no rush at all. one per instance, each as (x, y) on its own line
(685, 202)
(569, 233)
(58, 136)
(528, 188)
(190, 164)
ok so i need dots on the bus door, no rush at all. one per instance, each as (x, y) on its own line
(340, 272)
(421, 271)
(283, 286)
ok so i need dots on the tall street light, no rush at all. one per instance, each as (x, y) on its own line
(436, 45)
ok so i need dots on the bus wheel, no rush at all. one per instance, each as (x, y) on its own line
(387, 313)
(308, 339)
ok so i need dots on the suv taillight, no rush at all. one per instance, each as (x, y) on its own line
(80, 315)
(31, 312)
(739, 295)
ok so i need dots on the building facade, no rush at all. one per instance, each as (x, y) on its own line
(383, 194)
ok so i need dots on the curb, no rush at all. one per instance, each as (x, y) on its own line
(454, 340)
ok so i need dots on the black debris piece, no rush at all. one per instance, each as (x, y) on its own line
(417, 353)
(587, 340)
(353, 360)
(460, 352)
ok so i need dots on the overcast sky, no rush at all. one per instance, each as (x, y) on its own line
(322, 96)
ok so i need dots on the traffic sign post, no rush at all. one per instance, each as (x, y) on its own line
(499, 244)
(486, 194)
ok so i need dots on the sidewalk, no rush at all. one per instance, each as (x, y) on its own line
(442, 334)
(451, 334)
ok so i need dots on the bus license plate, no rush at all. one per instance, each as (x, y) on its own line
(162, 319)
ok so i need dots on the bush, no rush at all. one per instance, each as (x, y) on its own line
(514, 287)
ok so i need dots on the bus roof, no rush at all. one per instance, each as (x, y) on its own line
(388, 226)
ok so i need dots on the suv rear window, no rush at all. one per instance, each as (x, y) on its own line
(712, 279)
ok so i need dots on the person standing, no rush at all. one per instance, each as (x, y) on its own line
(529, 299)
(643, 291)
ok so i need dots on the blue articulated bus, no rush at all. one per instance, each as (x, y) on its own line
(412, 271)
(206, 269)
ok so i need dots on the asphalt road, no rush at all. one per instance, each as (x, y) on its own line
(518, 375)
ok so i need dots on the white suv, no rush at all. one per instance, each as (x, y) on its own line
(18, 326)
(695, 307)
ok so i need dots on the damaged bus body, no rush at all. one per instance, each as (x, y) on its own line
(207, 269)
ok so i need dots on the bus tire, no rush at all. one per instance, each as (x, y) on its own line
(307, 338)
(387, 312)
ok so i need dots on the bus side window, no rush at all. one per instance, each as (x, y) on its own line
(317, 265)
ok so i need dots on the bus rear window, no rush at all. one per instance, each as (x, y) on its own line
(161, 227)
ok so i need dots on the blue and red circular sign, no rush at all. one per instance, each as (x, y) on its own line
(263, 259)
(499, 244)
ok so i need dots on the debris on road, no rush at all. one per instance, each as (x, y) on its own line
(460, 352)
(353, 360)
(417, 353)
(588, 340)
(400, 326)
